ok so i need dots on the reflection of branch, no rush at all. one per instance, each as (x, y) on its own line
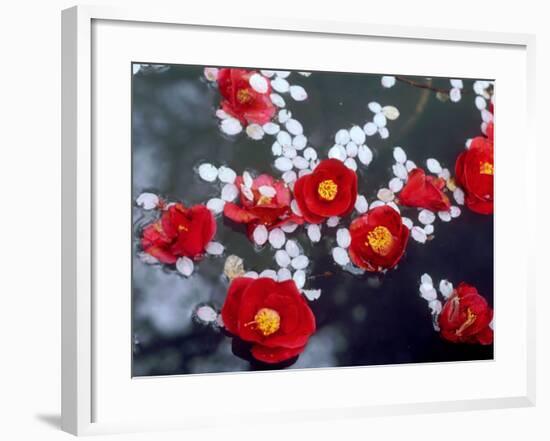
(421, 85)
(325, 274)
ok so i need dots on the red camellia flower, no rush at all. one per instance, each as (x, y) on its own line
(180, 231)
(474, 170)
(466, 316)
(330, 190)
(378, 239)
(273, 316)
(241, 100)
(266, 201)
(423, 191)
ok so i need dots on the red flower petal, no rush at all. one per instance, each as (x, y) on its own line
(423, 191)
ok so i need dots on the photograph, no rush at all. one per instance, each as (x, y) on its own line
(286, 219)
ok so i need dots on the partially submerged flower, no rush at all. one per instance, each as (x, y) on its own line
(273, 316)
(424, 191)
(263, 201)
(246, 95)
(330, 190)
(180, 232)
(474, 171)
(466, 316)
(378, 239)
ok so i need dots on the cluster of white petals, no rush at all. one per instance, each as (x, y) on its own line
(435, 297)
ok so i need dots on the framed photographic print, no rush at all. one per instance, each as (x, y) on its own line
(311, 234)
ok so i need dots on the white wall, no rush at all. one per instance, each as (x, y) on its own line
(30, 204)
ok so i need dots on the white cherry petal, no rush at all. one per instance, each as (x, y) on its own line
(428, 292)
(147, 258)
(343, 238)
(377, 204)
(247, 179)
(407, 222)
(429, 229)
(314, 232)
(457, 83)
(247, 192)
(278, 100)
(277, 238)
(357, 135)
(426, 279)
(222, 114)
(305, 74)
(208, 172)
(282, 73)
(295, 208)
(340, 256)
(229, 192)
(480, 102)
(385, 195)
(284, 138)
(277, 149)
(214, 248)
(426, 217)
(283, 275)
(433, 166)
(410, 166)
(269, 273)
(289, 227)
(289, 152)
(342, 137)
(312, 294)
(352, 149)
(388, 81)
(258, 83)
(299, 142)
(399, 155)
(310, 154)
(458, 194)
(289, 176)
(283, 164)
(383, 132)
(260, 235)
(445, 174)
(185, 266)
(294, 127)
(393, 205)
(231, 126)
(455, 95)
(147, 201)
(299, 278)
(268, 73)
(445, 288)
(400, 171)
(215, 205)
(370, 128)
(280, 85)
(455, 211)
(271, 128)
(374, 107)
(445, 216)
(351, 164)
(337, 152)
(390, 112)
(284, 115)
(267, 191)
(395, 185)
(226, 175)
(300, 262)
(364, 154)
(435, 308)
(333, 221)
(211, 73)
(418, 234)
(300, 163)
(251, 274)
(206, 314)
(361, 204)
(292, 248)
(380, 120)
(298, 93)
(282, 258)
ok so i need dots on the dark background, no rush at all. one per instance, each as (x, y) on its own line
(361, 320)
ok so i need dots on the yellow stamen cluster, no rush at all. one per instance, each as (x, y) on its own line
(268, 321)
(263, 200)
(327, 189)
(244, 96)
(470, 319)
(486, 168)
(183, 228)
(380, 240)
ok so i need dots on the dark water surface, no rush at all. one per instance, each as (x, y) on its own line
(361, 320)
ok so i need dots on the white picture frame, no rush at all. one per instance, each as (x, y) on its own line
(79, 203)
